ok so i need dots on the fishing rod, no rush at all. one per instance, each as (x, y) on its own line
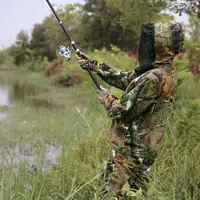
(77, 50)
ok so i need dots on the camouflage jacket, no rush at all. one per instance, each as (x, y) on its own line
(140, 116)
(143, 109)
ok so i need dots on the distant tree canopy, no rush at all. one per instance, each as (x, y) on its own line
(93, 25)
(133, 13)
(48, 36)
(192, 8)
(117, 22)
(21, 49)
(184, 6)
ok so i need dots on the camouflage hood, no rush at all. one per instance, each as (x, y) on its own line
(159, 44)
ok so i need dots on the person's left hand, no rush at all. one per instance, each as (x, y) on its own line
(105, 97)
(91, 64)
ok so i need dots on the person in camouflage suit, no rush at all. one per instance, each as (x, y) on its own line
(139, 118)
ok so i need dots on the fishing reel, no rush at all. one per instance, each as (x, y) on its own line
(65, 52)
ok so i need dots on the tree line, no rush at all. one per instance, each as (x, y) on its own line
(93, 25)
(96, 24)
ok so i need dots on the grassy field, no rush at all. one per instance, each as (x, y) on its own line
(61, 117)
(70, 123)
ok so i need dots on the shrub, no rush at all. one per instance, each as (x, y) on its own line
(40, 64)
(65, 79)
(54, 67)
(194, 67)
(115, 57)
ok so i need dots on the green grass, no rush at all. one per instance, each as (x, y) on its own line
(73, 115)
(181, 64)
(74, 119)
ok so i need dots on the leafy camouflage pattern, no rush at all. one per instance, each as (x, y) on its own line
(139, 118)
(167, 37)
(114, 76)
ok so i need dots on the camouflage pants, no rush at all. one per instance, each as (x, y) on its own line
(130, 165)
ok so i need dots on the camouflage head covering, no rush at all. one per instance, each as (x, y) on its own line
(169, 39)
(159, 44)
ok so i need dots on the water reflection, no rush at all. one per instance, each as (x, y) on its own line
(4, 100)
(22, 93)
(5, 96)
(16, 92)
(19, 91)
(31, 156)
(27, 154)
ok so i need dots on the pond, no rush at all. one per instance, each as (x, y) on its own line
(30, 154)
(4, 100)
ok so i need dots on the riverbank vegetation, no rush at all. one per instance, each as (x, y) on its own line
(54, 138)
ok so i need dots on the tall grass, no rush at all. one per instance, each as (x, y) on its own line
(73, 120)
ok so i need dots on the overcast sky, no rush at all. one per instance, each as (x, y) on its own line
(17, 15)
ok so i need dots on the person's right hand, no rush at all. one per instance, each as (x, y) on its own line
(91, 64)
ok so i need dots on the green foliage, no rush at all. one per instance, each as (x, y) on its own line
(183, 75)
(107, 22)
(40, 64)
(192, 7)
(115, 57)
(6, 61)
(21, 51)
(100, 26)
(95, 25)
(22, 39)
(193, 50)
(181, 62)
(67, 79)
(54, 67)
(194, 25)
(161, 17)
(2, 57)
(39, 43)
(192, 45)
(179, 153)
(75, 120)
(130, 11)
(48, 36)
(132, 14)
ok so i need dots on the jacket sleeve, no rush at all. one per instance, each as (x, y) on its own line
(115, 77)
(135, 102)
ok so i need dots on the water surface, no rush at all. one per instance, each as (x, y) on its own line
(30, 154)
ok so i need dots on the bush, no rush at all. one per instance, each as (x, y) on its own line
(54, 67)
(40, 64)
(194, 67)
(193, 50)
(116, 58)
(67, 79)
(181, 63)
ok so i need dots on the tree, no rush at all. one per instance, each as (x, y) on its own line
(100, 25)
(40, 44)
(22, 39)
(190, 7)
(117, 22)
(184, 6)
(133, 13)
(21, 49)
(48, 36)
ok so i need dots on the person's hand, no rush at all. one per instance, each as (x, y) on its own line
(105, 97)
(91, 64)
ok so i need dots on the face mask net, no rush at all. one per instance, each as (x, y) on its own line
(158, 40)
(146, 51)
